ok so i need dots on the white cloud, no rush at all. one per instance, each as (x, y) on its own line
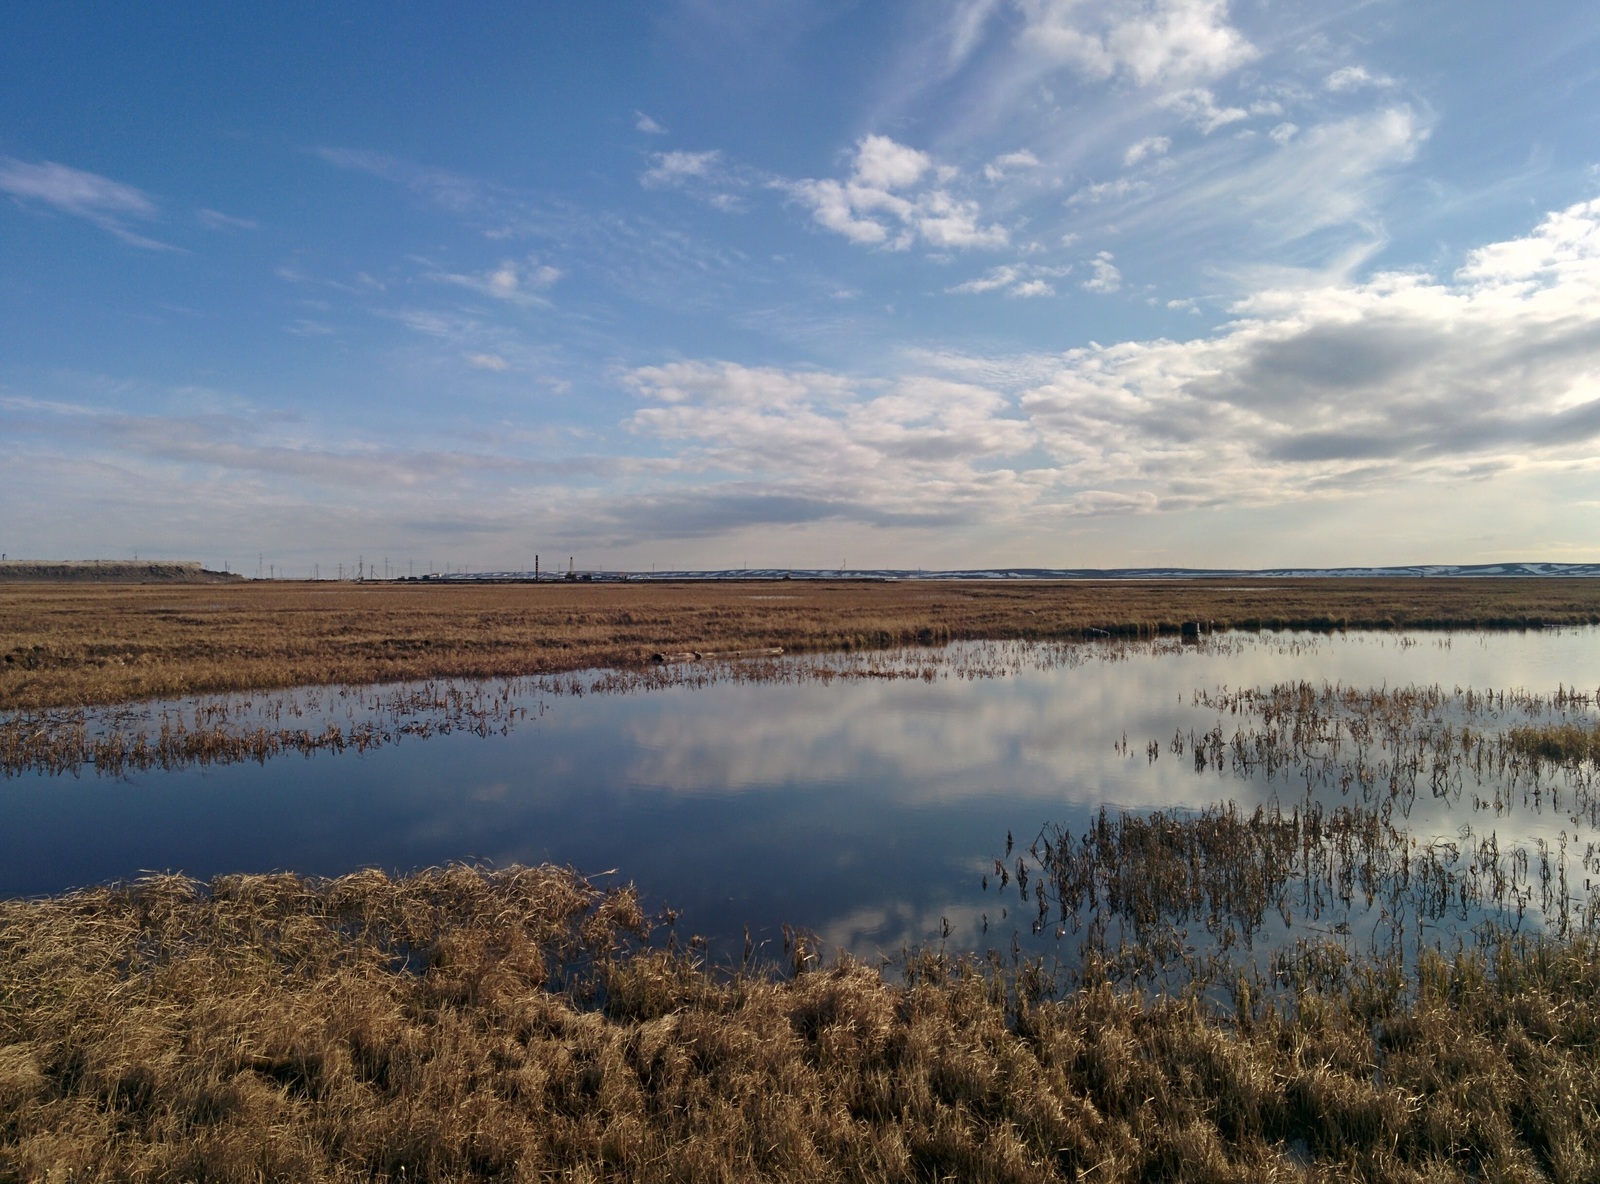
(213, 220)
(1329, 175)
(832, 207)
(513, 281)
(644, 123)
(1283, 133)
(1149, 146)
(1016, 279)
(456, 192)
(488, 362)
(1317, 390)
(1199, 107)
(1403, 385)
(919, 451)
(1313, 392)
(1151, 41)
(966, 29)
(98, 200)
(1103, 191)
(671, 169)
(1106, 278)
(1004, 165)
(1348, 78)
(881, 163)
(1033, 288)
(884, 201)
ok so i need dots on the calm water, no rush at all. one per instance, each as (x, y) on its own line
(865, 809)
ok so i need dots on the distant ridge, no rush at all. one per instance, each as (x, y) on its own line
(1415, 571)
(108, 571)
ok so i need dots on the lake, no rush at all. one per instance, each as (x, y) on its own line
(866, 798)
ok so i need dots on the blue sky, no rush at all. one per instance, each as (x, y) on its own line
(950, 283)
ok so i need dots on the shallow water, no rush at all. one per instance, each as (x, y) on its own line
(863, 798)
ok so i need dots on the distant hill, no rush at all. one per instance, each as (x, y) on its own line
(109, 571)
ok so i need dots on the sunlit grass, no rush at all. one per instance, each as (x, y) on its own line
(463, 1025)
(66, 645)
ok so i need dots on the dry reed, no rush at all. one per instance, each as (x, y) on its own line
(464, 1025)
(63, 645)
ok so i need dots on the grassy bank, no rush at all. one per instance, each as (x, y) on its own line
(457, 1025)
(77, 645)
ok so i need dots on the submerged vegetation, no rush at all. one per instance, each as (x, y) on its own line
(67, 646)
(462, 1024)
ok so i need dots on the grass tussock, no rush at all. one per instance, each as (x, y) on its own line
(1566, 743)
(471, 1025)
(65, 645)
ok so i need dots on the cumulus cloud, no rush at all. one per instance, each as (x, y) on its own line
(883, 164)
(643, 123)
(1325, 388)
(1149, 41)
(1106, 278)
(98, 200)
(895, 196)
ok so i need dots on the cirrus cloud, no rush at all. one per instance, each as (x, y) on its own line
(98, 200)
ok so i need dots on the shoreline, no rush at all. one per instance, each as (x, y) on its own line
(88, 646)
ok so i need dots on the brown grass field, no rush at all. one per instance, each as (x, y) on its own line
(459, 1025)
(79, 645)
(517, 1025)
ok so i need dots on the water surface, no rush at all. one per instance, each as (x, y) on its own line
(867, 807)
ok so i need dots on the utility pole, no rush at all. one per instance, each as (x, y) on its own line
(536, 569)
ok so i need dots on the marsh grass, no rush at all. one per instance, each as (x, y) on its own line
(1190, 900)
(1567, 744)
(65, 645)
(223, 729)
(464, 1024)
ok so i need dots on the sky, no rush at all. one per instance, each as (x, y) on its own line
(800, 283)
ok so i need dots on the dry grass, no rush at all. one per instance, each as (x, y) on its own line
(1559, 743)
(77, 645)
(463, 1025)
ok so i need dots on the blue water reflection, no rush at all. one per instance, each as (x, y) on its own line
(865, 809)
